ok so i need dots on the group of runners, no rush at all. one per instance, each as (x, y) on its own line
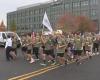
(56, 48)
(59, 48)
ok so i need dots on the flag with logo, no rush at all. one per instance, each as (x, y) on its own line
(46, 22)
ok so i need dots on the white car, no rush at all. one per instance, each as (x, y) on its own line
(3, 37)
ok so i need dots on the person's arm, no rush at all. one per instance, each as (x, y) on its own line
(62, 46)
(42, 40)
(6, 44)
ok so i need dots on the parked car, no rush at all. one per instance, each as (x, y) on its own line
(3, 38)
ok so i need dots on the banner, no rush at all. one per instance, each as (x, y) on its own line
(46, 22)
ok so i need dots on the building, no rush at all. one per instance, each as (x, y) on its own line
(29, 18)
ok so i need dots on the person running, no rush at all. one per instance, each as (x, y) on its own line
(29, 49)
(49, 50)
(14, 44)
(78, 48)
(14, 47)
(96, 43)
(8, 47)
(42, 50)
(61, 49)
(69, 48)
(88, 46)
(36, 46)
(69, 51)
(54, 46)
(24, 46)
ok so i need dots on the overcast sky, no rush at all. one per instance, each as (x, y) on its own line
(11, 5)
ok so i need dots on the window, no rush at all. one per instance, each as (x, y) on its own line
(34, 12)
(34, 19)
(93, 12)
(76, 4)
(84, 3)
(76, 13)
(30, 12)
(67, 6)
(40, 11)
(93, 2)
(85, 13)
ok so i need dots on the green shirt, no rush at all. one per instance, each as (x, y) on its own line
(48, 44)
(78, 44)
(14, 43)
(61, 42)
(37, 43)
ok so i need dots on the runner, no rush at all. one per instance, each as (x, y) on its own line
(14, 44)
(78, 48)
(14, 47)
(49, 50)
(42, 50)
(61, 49)
(36, 46)
(8, 48)
(54, 46)
(88, 48)
(24, 46)
(29, 49)
(96, 43)
(69, 52)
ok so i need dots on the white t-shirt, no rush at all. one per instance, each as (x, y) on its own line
(8, 42)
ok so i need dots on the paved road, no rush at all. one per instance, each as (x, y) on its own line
(89, 70)
(15, 68)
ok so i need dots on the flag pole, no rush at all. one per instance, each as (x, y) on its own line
(43, 29)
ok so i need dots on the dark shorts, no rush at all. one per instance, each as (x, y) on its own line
(78, 52)
(60, 54)
(72, 51)
(84, 48)
(95, 45)
(29, 51)
(66, 50)
(13, 49)
(9, 49)
(35, 50)
(49, 52)
(24, 49)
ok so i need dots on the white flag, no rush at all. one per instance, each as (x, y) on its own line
(46, 22)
